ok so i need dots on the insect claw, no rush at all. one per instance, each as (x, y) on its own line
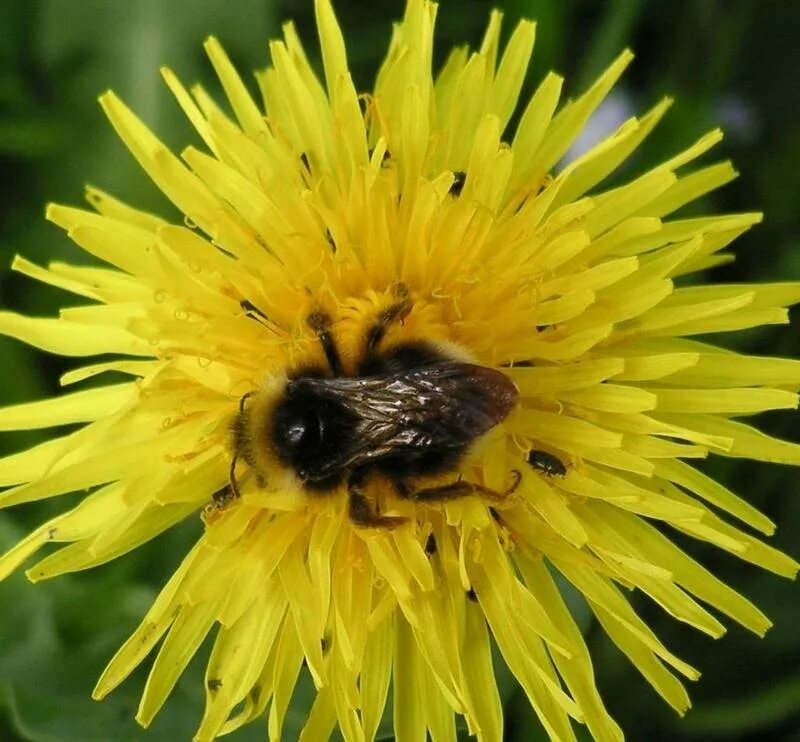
(244, 399)
(516, 474)
(219, 502)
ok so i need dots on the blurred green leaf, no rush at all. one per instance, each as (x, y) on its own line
(753, 713)
(609, 38)
(30, 137)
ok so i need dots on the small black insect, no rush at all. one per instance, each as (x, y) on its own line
(459, 178)
(546, 463)
(329, 239)
(408, 412)
(430, 545)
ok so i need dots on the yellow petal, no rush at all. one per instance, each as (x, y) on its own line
(662, 680)
(71, 338)
(409, 717)
(237, 661)
(249, 116)
(375, 675)
(286, 668)
(83, 406)
(511, 73)
(573, 117)
(185, 636)
(158, 619)
(577, 670)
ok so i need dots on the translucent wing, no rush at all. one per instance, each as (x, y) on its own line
(419, 416)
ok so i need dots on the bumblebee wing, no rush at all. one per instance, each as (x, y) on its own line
(440, 408)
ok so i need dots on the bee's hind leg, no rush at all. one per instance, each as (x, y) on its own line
(361, 512)
(457, 489)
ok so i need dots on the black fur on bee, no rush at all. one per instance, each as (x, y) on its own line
(546, 463)
(409, 411)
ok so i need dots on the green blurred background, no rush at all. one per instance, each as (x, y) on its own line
(732, 63)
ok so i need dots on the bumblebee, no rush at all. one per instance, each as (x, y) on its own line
(407, 412)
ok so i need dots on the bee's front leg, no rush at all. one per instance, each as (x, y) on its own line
(360, 510)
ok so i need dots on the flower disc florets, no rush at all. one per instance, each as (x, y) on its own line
(324, 200)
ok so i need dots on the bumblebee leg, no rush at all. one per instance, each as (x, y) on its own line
(394, 312)
(242, 443)
(234, 485)
(516, 475)
(361, 512)
(448, 492)
(320, 322)
(461, 488)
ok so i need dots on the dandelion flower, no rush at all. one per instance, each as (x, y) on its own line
(318, 196)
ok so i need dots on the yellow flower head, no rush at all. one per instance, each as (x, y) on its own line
(326, 230)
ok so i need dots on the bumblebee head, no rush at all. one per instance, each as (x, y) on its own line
(309, 431)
